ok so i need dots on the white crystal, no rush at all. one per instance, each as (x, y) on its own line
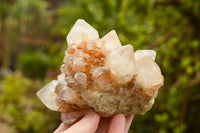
(142, 53)
(69, 59)
(81, 31)
(111, 41)
(68, 94)
(121, 62)
(96, 72)
(61, 77)
(81, 78)
(79, 61)
(70, 80)
(101, 77)
(47, 95)
(64, 69)
(149, 75)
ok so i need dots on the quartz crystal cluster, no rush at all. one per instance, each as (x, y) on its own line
(102, 75)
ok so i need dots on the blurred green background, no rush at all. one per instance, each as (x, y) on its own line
(32, 42)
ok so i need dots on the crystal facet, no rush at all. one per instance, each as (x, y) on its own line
(142, 53)
(149, 75)
(111, 41)
(47, 95)
(81, 31)
(121, 63)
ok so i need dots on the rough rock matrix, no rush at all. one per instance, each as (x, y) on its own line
(102, 75)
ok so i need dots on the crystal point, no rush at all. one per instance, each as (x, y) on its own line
(149, 75)
(111, 41)
(48, 96)
(142, 53)
(121, 63)
(81, 31)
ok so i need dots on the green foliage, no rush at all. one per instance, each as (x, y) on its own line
(20, 85)
(170, 27)
(19, 107)
(34, 64)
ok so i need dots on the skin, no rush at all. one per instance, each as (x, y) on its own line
(92, 123)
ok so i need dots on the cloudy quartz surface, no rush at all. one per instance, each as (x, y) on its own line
(102, 75)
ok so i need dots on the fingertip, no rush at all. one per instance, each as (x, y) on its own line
(130, 117)
(120, 117)
(117, 124)
(128, 122)
(61, 128)
(92, 114)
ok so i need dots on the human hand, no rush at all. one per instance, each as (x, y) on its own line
(92, 123)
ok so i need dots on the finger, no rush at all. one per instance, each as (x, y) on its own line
(88, 124)
(117, 124)
(61, 128)
(103, 125)
(128, 122)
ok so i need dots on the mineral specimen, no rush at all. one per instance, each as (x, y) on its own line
(102, 75)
